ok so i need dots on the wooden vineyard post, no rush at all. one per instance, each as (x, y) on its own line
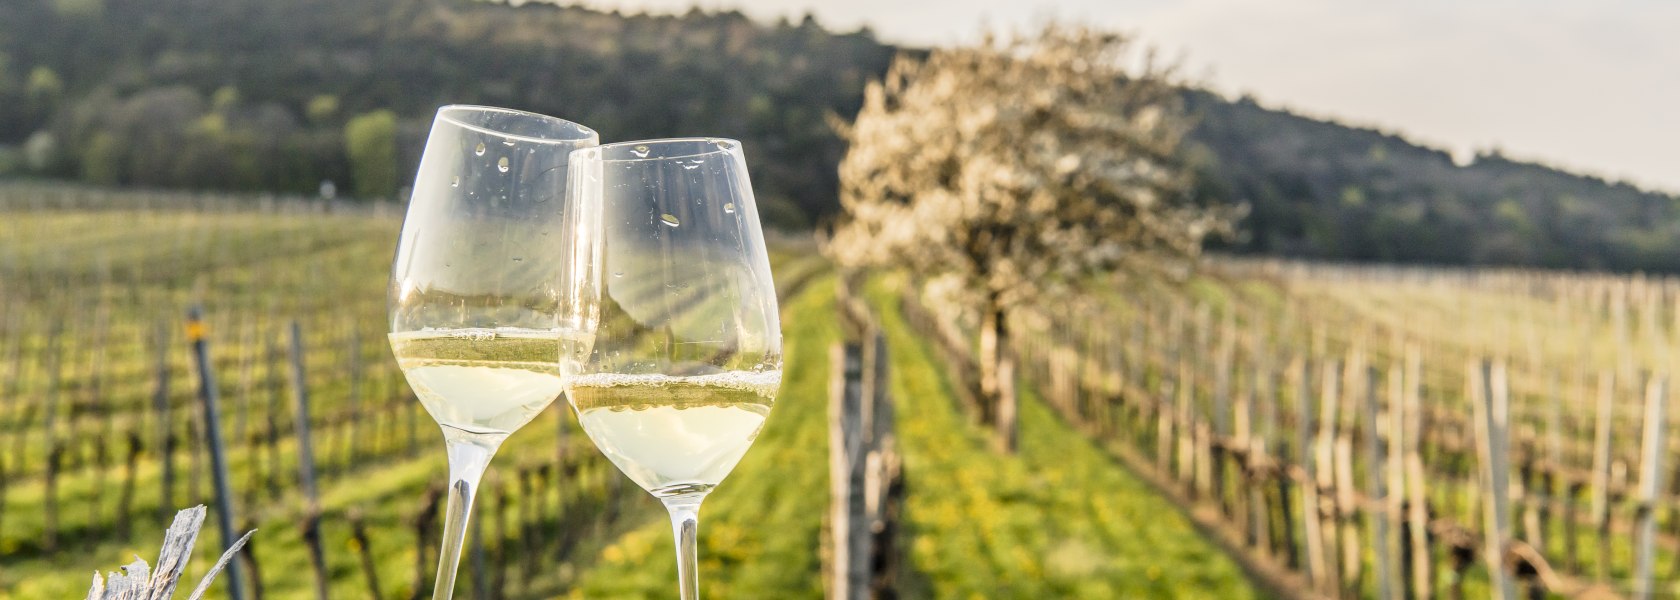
(1164, 424)
(1221, 435)
(1653, 449)
(1417, 493)
(1306, 449)
(884, 483)
(1165, 410)
(1258, 424)
(1329, 419)
(1562, 501)
(1601, 468)
(863, 464)
(849, 571)
(311, 525)
(1245, 503)
(1492, 412)
(1377, 487)
(1352, 559)
(210, 396)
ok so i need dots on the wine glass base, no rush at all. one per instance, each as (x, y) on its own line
(682, 490)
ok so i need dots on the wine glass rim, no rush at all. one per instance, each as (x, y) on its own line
(587, 134)
(719, 146)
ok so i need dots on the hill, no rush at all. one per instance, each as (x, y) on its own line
(259, 94)
(1320, 189)
(263, 95)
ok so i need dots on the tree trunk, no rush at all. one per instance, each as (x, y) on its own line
(991, 326)
(997, 378)
(1007, 432)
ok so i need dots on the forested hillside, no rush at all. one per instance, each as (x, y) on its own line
(268, 94)
(279, 95)
(1323, 190)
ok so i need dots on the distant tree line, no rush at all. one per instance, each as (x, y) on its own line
(1324, 190)
(281, 95)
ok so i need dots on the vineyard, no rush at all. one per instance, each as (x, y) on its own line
(102, 434)
(1390, 432)
(1321, 430)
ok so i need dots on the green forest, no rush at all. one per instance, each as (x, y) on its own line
(281, 95)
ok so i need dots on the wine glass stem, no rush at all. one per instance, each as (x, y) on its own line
(468, 457)
(685, 524)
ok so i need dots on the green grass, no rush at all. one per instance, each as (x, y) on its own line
(1061, 519)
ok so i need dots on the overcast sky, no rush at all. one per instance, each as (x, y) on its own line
(1592, 86)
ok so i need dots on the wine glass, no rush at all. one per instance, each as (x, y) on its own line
(688, 354)
(484, 288)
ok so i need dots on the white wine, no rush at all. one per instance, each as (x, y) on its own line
(674, 435)
(484, 381)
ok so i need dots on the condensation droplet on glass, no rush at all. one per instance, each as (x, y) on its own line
(508, 143)
(518, 259)
(502, 165)
(691, 166)
(722, 144)
(640, 151)
(729, 208)
(479, 150)
(670, 220)
(618, 273)
(455, 181)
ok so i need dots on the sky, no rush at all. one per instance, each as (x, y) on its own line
(1589, 86)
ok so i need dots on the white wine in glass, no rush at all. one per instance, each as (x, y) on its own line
(483, 381)
(687, 355)
(675, 434)
(485, 287)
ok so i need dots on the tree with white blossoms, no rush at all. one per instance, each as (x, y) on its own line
(1011, 171)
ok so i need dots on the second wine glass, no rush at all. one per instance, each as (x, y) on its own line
(687, 357)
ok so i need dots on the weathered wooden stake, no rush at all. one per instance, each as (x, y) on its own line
(849, 573)
(1329, 421)
(210, 396)
(1377, 487)
(306, 463)
(1311, 513)
(1491, 408)
(1601, 468)
(1653, 450)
